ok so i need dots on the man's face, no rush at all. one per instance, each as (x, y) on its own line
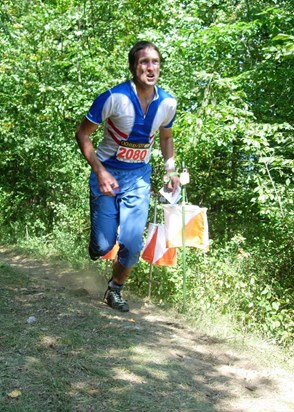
(147, 67)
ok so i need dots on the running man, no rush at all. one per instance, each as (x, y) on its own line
(132, 113)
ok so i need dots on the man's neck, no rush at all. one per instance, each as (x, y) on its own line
(144, 92)
(145, 96)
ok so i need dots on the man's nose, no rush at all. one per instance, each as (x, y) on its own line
(150, 65)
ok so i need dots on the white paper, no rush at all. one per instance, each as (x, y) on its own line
(171, 197)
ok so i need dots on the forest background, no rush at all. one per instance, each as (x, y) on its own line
(230, 65)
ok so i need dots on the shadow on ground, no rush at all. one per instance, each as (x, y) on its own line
(80, 355)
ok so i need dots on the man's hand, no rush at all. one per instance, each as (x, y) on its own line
(107, 183)
(175, 182)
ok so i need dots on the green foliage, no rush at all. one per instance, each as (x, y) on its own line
(230, 65)
(231, 281)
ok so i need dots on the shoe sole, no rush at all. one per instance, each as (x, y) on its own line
(117, 308)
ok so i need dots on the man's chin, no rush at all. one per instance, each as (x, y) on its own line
(151, 81)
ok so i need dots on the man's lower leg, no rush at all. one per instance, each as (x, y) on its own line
(120, 273)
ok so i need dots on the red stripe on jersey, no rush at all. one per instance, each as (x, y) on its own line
(121, 134)
(113, 136)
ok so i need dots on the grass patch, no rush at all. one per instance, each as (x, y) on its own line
(79, 355)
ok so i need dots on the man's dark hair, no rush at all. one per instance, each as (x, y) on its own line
(140, 45)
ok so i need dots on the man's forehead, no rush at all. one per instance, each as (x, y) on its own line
(147, 52)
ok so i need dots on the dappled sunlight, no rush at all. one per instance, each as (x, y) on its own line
(127, 376)
(83, 352)
(32, 362)
(49, 341)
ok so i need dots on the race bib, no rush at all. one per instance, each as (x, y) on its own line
(133, 152)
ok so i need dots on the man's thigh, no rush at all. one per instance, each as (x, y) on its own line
(104, 223)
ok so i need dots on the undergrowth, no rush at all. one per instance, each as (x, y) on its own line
(230, 281)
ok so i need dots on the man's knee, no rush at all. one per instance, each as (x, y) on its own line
(92, 253)
(96, 252)
(129, 254)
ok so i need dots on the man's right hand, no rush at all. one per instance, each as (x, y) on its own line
(107, 183)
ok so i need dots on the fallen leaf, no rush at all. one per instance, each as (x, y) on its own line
(14, 394)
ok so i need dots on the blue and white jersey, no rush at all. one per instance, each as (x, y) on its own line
(129, 133)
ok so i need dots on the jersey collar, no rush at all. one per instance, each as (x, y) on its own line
(155, 97)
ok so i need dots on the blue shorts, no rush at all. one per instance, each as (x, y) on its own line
(121, 218)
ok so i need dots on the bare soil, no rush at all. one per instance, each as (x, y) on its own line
(152, 360)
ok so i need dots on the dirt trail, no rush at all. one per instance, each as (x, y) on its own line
(224, 377)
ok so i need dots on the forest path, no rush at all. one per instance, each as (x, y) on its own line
(149, 359)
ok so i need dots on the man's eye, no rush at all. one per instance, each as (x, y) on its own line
(155, 62)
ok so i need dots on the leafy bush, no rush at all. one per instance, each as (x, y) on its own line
(230, 280)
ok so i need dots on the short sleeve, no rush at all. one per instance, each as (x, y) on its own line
(101, 108)
(171, 108)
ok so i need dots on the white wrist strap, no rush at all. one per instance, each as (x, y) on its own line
(169, 164)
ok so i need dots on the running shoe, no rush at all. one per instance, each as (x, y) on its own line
(115, 301)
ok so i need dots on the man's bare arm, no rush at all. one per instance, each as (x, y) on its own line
(107, 183)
